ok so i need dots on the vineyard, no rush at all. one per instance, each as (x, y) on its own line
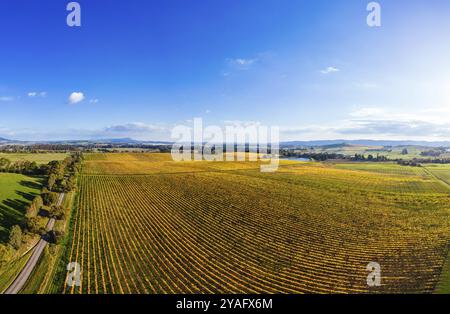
(145, 224)
(442, 172)
(385, 168)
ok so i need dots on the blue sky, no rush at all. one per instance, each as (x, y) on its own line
(137, 68)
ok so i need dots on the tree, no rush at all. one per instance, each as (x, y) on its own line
(15, 237)
(34, 207)
(70, 183)
(57, 212)
(51, 181)
(33, 225)
(60, 185)
(405, 151)
(4, 163)
(49, 198)
(56, 236)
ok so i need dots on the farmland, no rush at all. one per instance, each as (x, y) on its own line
(145, 224)
(442, 172)
(392, 153)
(39, 158)
(16, 193)
(384, 168)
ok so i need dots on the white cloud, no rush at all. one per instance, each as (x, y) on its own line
(6, 98)
(93, 101)
(234, 65)
(379, 123)
(241, 124)
(134, 130)
(395, 128)
(330, 70)
(241, 63)
(76, 97)
(368, 112)
(37, 94)
(134, 127)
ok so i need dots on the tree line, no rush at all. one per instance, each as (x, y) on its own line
(38, 148)
(61, 178)
(416, 162)
(23, 167)
(333, 156)
(362, 157)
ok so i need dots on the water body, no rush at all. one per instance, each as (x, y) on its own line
(296, 159)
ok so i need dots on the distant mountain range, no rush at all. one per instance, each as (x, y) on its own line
(116, 141)
(4, 140)
(342, 142)
(367, 143)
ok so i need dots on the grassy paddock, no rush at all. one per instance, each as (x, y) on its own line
(39, 158)
(16, 192)
(393, 153)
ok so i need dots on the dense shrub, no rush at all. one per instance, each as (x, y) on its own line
(15, 237)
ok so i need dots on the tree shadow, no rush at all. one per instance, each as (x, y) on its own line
(28, 196)
(11, 213)
(17, 205)
(44, 213)
(50, 237)
(4, 236)
(31, 184)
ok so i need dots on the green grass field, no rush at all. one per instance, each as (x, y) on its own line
(392, 153)
(41, 158)
(16, 192)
